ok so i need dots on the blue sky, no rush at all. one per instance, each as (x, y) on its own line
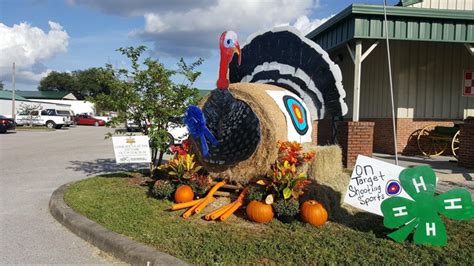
(66, 35)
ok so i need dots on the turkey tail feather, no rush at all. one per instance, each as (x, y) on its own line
(285, 58)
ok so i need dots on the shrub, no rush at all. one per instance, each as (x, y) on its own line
(286, 208)
(255, 193)
(163, 189)
(200, 184)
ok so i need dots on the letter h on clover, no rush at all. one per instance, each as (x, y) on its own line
(422, 212)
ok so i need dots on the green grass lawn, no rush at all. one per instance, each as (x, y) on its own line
(124, 207)
(34, 128)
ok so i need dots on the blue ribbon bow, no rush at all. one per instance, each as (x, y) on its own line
(196, 123)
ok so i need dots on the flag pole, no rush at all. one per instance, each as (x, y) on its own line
(391, 82)
(13, 92)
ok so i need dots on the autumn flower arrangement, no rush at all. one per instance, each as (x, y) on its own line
(184, 170)
(285, 181)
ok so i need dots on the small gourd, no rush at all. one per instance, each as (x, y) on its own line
(184, 193)
(313, 212)
(259, 212)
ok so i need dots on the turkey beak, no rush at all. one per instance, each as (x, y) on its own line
(237, 51)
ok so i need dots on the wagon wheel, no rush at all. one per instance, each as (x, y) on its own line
(429, 144)
(455, 144)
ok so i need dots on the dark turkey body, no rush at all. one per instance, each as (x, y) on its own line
(234, 125)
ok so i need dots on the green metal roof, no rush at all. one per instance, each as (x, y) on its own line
(360, 21)
(7, 95)
(408, 2)
(53, 95)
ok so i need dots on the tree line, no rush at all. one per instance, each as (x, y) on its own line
(82, 83)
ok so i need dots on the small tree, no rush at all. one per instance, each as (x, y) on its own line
(28, 109)
(146, 95)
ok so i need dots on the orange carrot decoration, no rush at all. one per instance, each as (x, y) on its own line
(193, 209)
(226, 211)
(230, 211)
(215, 214)
(188, 204)
(203, 204)
(215, 188)
(197, 206)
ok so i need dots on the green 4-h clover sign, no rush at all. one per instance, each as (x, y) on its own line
(422, 212)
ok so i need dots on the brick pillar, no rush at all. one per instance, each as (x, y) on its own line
(355, 138)
(466, 144)
(314, 135)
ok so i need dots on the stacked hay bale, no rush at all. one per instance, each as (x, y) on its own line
(331, 180)
(272, 127)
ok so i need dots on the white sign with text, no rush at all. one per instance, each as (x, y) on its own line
(373, 181)
(132, 149)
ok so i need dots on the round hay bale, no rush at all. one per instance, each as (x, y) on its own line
(247, 123)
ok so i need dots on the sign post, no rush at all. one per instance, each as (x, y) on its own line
(132, 149)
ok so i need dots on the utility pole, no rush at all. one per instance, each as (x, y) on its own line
(13, 92)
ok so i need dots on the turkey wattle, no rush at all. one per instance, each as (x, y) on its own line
(287, 82)
(231, 121)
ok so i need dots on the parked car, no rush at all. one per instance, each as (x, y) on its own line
(48, 117)
(84, 119)
(66, 113)
(131, 126)
(6, 124)
(178, 132)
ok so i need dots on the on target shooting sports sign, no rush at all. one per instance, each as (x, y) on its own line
(372, 182)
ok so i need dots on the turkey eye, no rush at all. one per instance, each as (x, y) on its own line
(228, 43)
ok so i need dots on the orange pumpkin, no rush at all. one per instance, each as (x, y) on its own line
(313, 212)
(259, 212)
(184, 193)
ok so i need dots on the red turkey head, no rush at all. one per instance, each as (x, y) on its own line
(228, 45)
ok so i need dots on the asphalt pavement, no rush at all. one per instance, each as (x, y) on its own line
(33, 165)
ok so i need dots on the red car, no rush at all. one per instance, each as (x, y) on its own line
(89, 120)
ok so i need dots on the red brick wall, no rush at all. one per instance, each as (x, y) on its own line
(355, 138)
(407, 132)
(383, 135)
(314, 134)
(466, 144)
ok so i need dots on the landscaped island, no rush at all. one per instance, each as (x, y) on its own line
(122, 204)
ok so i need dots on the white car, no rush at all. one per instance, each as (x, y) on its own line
(69, 121)
(177, 132)
(50, 118)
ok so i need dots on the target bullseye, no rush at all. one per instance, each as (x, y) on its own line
(393, 188)
(297, 114)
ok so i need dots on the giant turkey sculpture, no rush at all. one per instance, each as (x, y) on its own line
(280, 82)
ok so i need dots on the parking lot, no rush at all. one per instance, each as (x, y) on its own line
(34, 164)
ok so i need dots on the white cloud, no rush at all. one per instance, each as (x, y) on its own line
(140, 7)
(28, 47)
(195, 32)
(305, 25)
(192, 28)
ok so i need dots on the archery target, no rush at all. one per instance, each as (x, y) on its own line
(297, 114)
(393, 188)
(298, 119)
